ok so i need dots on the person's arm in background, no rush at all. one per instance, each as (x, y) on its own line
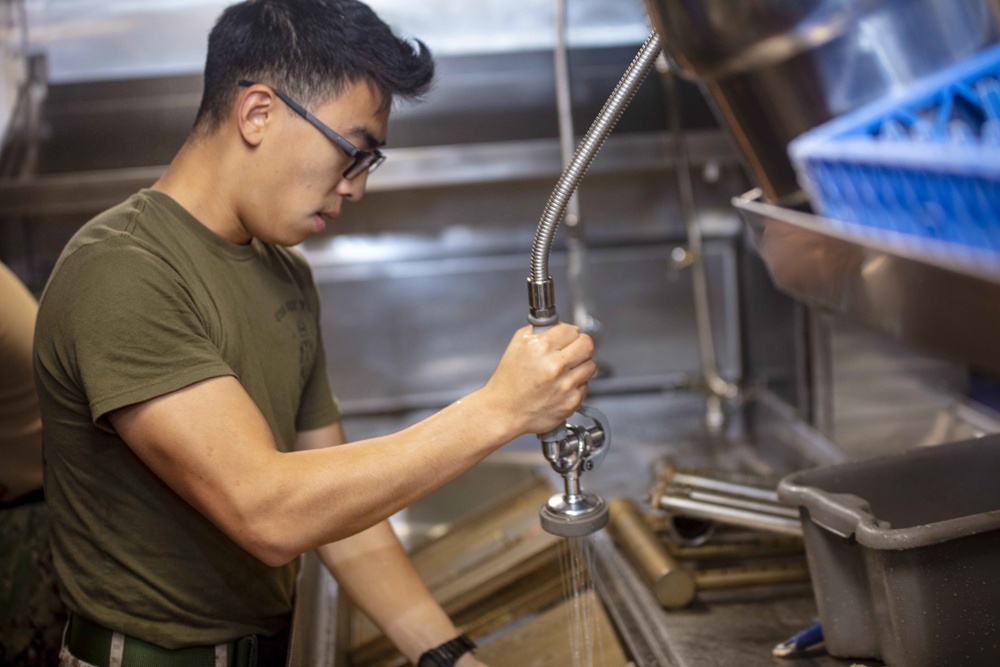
(33, 616)
(20, 422)
(375, 570)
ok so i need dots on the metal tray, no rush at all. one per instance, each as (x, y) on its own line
(934, 294)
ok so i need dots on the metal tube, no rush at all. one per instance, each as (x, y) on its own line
(673, 586)
(564, 107)
(584, 155)
(757, 548)
(695, 481)
(821, 332)
(763, 507)
(714, 382)
(571, 483)
(755, 575)
(581, 302)
(730, 515)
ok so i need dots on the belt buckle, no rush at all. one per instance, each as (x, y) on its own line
(245, 652)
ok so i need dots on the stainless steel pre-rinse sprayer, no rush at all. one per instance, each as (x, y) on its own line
(573, 449)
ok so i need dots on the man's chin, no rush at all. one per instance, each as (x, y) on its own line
(287, 240)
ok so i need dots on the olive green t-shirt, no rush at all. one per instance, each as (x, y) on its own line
(146, 300)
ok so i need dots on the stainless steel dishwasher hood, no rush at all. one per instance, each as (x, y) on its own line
(777, 68)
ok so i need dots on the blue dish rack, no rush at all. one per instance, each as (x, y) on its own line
(926, 162)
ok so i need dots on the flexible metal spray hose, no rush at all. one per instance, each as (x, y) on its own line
(584, 155)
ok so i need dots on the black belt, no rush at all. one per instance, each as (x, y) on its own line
(91, 643)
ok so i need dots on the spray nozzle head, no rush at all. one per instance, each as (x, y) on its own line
(571, 450)
(576, 517)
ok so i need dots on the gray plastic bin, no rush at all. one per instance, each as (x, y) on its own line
(904, 552)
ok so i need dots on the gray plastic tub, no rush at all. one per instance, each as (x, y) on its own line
(904, 552)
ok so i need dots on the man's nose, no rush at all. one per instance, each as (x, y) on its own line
(353, 189)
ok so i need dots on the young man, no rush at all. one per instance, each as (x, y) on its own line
(193, 448)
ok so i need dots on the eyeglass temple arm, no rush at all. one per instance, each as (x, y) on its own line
(348, 147)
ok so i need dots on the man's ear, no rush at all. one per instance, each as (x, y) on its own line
(255, 111)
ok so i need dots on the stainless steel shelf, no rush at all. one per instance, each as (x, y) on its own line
(934, 294)
(409, 169)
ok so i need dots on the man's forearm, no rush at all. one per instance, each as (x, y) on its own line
(376, 572)
(332, 493)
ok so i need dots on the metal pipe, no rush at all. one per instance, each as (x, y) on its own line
(714, 383)
(762, 506)
(687, 531)
(545, 313)
(674, 477)
(581, 303)
(753, 575)
(564, 105)
(760, 547)
(673, 586)
(571, 484)
(729, 515)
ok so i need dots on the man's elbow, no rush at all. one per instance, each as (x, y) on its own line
(275, 557)
(262, 537)
(268, 547)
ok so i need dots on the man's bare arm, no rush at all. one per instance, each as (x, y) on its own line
(375, 570)
(212, 446)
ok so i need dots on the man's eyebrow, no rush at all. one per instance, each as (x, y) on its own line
(363, 133)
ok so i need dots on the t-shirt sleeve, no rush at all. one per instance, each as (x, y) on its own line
(127, 327)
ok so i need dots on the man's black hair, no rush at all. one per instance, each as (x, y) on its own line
(311, 50)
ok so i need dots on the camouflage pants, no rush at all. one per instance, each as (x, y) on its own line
(31, 615)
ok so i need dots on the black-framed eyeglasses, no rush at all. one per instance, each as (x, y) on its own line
(362, 160)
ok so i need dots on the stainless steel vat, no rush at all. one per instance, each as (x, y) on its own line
(776, 68)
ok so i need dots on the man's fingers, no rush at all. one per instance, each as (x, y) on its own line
(578, 351)
(561, 335)
(557, 364)
(581, 395)
(580, 375)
